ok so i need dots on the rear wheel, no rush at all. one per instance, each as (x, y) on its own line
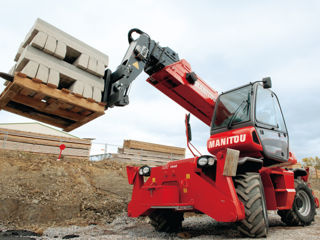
(250, 192)
(303, 209)
(164, 220)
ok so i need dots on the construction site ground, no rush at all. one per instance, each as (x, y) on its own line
(42, 198)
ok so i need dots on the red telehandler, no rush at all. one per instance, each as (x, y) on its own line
(245, 175)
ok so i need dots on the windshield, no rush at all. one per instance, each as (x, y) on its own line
(233, 107)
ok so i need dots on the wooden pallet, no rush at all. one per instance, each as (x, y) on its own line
(33, 99)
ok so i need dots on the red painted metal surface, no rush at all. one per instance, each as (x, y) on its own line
(198, 98)
(183, 186)
(279, 188)
(240, 139)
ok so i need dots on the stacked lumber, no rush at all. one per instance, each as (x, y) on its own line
(58, 79)
(150, 154)
(43, 143)
(313, 172)
(133, 144)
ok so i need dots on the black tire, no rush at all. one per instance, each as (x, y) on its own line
(250, 192)
(303, 209)
(164, 220)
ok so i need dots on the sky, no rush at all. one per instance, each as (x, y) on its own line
(227, 43)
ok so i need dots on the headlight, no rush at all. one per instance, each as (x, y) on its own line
(145, 171)
(211, 161)
(202, 161)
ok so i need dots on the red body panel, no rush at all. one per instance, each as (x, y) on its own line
(197, 98)
(278, 188)
(240, 139)
(184, 187)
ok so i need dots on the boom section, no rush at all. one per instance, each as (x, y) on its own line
(167, 72)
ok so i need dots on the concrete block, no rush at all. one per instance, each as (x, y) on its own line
(92, 65)
(54, 77)
(30, 69)
(82, 61)
(39, 40)
(61, 50)
(77, 87)
(51, 45)
(97, 94)
(100, 69)
(87, 91)
(43, 73)
(20, 50)
(96, 67)
(50, 30)
(32, 54)
(12, 69)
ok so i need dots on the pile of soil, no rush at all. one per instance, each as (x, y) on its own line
(37, 191)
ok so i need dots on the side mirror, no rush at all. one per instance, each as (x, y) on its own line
(267, 82)
(188, 128)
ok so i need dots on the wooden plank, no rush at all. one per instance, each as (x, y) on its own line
(138, 152)
(45, 108)
(39, 117)
(42, 149)
(56, 93)
(141, 158)
(133, 161)
(9, 92)
(231, 162)
(44, 136)
(42, 142)
(45, 105)
(83, 121)
(153, 147)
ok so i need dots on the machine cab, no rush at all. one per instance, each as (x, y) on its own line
(252, 109)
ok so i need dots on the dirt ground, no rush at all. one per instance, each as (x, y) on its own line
(88, 200)
(37, 191)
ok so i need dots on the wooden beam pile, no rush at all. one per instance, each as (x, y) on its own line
(43, 143)
(151, 154)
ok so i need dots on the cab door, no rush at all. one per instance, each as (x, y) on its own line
(270, 125)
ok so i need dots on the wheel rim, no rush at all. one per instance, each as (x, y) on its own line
(304, 210)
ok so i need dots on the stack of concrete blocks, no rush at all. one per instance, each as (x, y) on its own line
(60, 60)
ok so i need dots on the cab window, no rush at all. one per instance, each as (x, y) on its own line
(268, 110)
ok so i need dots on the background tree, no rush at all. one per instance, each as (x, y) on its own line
(310, 161)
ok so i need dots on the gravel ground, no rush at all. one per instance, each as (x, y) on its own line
(196, 227)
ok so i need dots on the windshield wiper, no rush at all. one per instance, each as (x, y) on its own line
(236, 113)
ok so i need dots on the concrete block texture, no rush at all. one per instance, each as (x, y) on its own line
(39, 41)
(58, 43)
(87, 92)
(51, 45)
(96, 94)
(77, 87)
(43, 73)
(82, 61)
(31, 56)
(54, 78)
(30, 69)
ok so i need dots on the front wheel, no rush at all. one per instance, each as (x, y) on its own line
(250, 192)
(303, 209)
